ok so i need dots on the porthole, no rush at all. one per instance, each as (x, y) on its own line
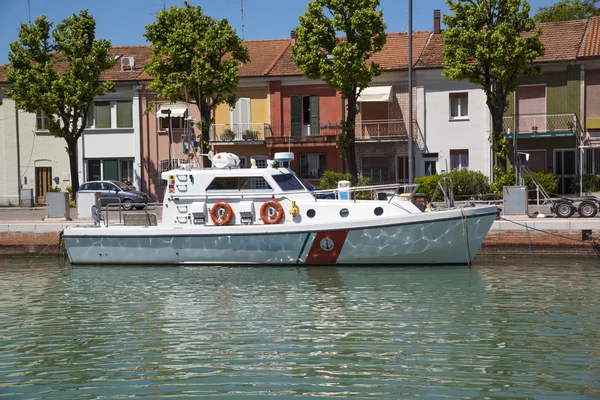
(378, 211)
(311, 213)
(344, 212)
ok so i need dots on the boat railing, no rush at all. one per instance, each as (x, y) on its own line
(148, 220)
(371, 192)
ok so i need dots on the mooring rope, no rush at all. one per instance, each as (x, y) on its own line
(42, 252)
(529, 238)
(466, 235)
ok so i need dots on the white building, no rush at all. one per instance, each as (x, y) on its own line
(109, 148)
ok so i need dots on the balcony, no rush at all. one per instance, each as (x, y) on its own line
(239, 133)
(541, 125)
(302, 134)
(383, 130)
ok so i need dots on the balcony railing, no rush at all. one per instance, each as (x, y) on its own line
(303, 133)
(542, 124)
(250, 132)
(391, 128)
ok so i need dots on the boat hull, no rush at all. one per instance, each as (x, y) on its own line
(451, 238)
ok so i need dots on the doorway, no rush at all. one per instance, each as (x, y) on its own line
(43, 179)
(565, 169)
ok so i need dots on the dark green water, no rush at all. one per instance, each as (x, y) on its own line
(499, 330)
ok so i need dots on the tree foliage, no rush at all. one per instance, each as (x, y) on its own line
(566, 10)
(491, 43)
(342, 62)
(58, 72)
(196, 59)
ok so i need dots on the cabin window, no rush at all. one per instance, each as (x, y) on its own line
(288, 182)
(235, 183)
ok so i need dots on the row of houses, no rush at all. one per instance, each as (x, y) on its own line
(555, 117)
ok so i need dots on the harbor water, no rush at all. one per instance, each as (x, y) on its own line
(500, 329)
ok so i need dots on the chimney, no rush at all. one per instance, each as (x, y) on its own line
(436, 21)
(293, 36)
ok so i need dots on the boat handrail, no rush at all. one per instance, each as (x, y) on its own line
(120, 210)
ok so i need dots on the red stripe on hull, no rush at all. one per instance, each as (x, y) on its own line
(326, 247)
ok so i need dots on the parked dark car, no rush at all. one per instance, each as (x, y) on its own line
(112, 192)
(322, 195)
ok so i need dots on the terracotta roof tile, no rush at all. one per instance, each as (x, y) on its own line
(561, 41)
(591, 41)
(393, 56)
(263, 56)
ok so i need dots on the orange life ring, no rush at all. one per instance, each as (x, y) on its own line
(271, 212)
(221, 213)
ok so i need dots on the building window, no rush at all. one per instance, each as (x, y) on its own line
(459, 159)
(124, 114)
(176, 123)
(376, 168)
(41, 123)
(459, 105)
(110, 169)
(102, 114)
(312, 165)
(259, 183)
(430, 167)
(110, 114)
(241, 116)
(304, 118)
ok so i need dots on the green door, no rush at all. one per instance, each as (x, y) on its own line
(296, 109)
(110, 169)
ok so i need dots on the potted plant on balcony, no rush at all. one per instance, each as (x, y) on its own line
(250, 135)
(534, 129)
(570, 125)
(227, 136)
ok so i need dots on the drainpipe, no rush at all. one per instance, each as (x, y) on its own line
(410, 98)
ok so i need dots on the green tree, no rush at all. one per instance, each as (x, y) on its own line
(58, 73)
(196, 59)
(491, 43)
(341, 62)
(567, 10)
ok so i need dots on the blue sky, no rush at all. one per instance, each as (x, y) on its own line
(124, 21)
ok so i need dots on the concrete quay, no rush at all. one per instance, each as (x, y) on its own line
(24, 232)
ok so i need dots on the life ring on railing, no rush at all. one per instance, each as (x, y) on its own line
(221, 213)
(271, 212)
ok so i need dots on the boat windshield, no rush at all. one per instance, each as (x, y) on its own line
(288, 182)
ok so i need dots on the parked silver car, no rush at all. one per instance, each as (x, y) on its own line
(112, 192)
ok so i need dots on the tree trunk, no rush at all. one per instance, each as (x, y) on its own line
(72, 146)
(349, 129)
(497, 134)
(206, 120)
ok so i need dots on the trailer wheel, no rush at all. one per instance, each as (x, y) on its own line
(564, 210)
(587, 209)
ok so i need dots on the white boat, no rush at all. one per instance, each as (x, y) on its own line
(230, 215)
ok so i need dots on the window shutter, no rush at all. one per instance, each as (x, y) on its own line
(245, 113)
(102, 109)
(124, 114)
(296, 109)
(314, 115)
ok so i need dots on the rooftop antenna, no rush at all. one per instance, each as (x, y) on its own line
(29, 10)
(242, 8)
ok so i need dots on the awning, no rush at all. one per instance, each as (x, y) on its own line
(376, 93)
(177, 110)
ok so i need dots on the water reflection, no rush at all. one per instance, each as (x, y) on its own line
(496, 330)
